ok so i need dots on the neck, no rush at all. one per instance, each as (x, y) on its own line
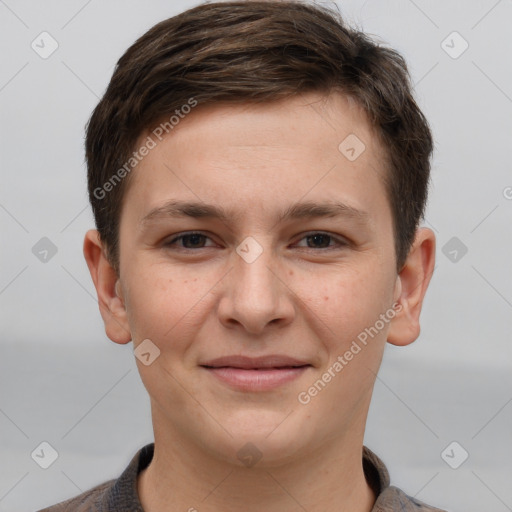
(183, 477)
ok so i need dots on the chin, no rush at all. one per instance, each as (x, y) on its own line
(263, 439)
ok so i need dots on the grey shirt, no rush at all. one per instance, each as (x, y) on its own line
(120, 495)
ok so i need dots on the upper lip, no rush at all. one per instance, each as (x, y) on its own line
(270, 361)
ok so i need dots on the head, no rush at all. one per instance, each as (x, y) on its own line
(260, 113)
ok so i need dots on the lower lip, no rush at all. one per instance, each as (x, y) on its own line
(257, 380)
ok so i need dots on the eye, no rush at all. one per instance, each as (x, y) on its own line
(314, 240)
(321, 240)
(190, 240)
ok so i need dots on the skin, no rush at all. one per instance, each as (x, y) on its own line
(198, 299)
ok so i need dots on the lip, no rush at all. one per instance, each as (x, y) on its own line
(256, 373)
(253, 363)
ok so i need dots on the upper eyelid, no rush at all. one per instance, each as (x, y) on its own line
(338, 238)
(338, 241)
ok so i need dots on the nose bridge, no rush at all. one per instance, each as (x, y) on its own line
(254, 295)
(254, 279)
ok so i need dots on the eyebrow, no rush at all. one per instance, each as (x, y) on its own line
(304, 210)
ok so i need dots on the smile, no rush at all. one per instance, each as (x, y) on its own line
(256, 379)
(263, 373)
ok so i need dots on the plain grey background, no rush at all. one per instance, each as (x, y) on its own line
(65, 383)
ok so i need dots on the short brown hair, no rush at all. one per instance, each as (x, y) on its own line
(250, 52)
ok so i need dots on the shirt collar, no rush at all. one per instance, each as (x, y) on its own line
(123, 495)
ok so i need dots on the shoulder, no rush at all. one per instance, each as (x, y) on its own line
(115, 495)
(393, 498)
(389, 497)
(88, 501)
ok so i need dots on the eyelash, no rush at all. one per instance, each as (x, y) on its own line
(340, 242)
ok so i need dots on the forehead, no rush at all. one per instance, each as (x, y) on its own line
(255, 154)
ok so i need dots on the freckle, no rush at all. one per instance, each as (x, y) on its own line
(291, 272)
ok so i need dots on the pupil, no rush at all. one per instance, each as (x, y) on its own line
(194, 238)
(317, 237)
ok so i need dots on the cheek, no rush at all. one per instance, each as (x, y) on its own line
(161, 302)
(346, 305)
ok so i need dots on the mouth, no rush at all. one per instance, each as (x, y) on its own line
(256, 374)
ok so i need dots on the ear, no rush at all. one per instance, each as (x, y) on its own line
(106, 282)
(412, 284)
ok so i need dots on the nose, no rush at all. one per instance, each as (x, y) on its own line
(256, 295)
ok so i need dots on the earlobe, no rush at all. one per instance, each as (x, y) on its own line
(108, 289)
(412, 284)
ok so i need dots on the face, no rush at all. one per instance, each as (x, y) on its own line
(257, 232)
